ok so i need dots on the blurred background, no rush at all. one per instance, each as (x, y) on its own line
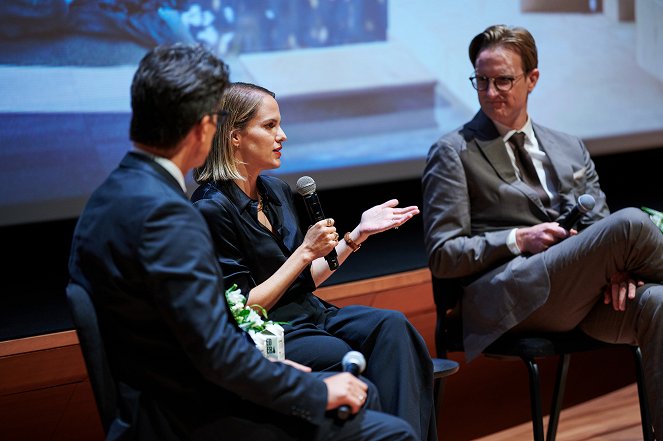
(365, 87)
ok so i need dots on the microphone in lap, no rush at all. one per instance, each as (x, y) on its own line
(355, 363)
(585, 204)
(306, 188)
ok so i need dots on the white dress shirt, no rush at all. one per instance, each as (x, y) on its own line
(541, 164)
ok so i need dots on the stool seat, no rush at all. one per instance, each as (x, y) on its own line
(443, 367)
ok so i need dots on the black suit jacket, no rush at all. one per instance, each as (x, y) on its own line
(145, 254)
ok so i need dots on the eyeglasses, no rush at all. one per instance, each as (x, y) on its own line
(501, 83)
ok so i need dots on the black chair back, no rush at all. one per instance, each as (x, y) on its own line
(103, 385)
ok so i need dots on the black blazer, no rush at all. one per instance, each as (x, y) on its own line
(145, 254)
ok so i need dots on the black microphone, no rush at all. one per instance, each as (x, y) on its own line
(585, 204)
(306, 188)
(355, 363)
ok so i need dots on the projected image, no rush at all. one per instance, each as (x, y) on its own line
(365, 87)
(227, 27)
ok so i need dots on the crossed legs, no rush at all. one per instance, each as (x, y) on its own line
(580, 268)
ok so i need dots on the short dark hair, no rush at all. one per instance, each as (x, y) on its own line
(516, 38)
(173, 88)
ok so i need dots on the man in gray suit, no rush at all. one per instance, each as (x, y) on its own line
(491, 213)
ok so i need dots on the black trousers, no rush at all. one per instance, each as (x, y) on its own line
(256, 422)
(397, 359)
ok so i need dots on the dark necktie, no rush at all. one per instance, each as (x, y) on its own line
(526, 166)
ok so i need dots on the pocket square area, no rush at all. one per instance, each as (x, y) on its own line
(579, 174)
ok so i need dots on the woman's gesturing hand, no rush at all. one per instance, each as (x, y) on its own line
(384, 217)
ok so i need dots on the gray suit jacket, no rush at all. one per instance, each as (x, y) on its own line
(472, 199)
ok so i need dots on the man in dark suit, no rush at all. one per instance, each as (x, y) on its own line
(491, 212)
(145, 255)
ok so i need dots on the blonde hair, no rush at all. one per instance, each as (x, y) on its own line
(516, 38)
(241, 101)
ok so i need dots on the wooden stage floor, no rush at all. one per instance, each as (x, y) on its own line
(611, 417)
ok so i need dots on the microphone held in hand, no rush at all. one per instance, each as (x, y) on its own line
(306, 188)
(355, 363)
(585, 204)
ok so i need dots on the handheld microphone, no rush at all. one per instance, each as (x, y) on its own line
(585, 204)
(306, 188)
(355, 363)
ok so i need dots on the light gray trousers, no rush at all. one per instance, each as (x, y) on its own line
(580, 268)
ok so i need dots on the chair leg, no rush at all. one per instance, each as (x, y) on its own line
(645, 416)
(535, 399)
(438, 392)
(558, 396)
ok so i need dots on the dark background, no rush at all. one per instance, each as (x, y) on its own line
(35, 269)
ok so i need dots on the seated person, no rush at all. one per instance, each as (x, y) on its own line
(145, 255)
(260, 247)
(492, 207)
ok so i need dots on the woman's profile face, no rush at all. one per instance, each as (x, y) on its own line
(259, 143)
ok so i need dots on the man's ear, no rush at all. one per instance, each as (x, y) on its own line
(533, 78)
(206, 127)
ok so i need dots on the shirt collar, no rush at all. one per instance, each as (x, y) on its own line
(506, 132)
(242, 200)
(166, 164)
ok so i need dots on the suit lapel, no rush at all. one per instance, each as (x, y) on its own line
(494, 151)
(493, 148)
(555, 153)
(561, 165)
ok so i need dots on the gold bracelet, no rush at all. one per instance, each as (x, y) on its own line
(351, 243)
